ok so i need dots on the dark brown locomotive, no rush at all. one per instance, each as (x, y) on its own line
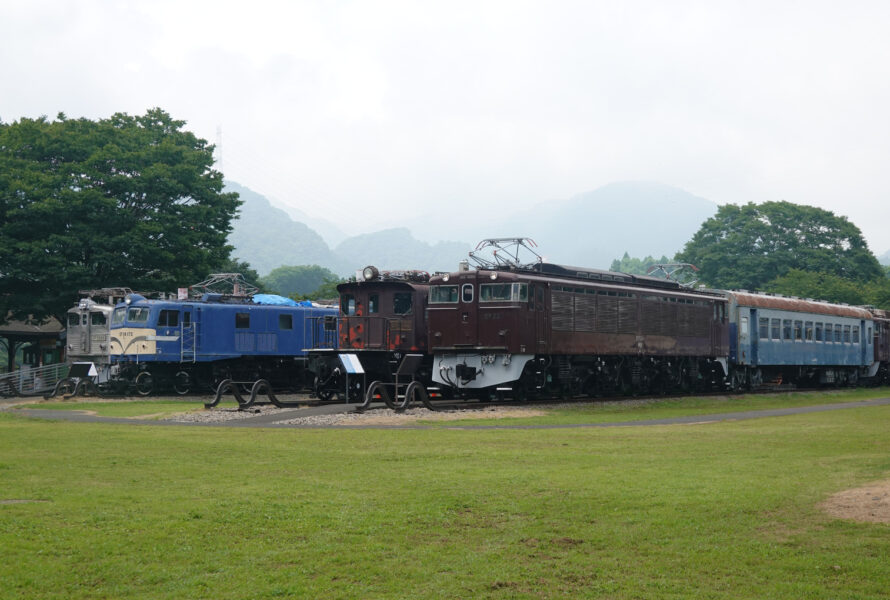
(382, 318)
(554, 330)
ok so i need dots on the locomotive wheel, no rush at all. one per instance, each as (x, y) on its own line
(322, 394)
(182, 383)
(144, 383)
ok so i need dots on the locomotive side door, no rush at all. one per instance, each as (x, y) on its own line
(542, 331)
(469, 315)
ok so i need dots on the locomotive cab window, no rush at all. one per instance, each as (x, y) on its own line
(373, 304)
(168, 318)
(504, 292)
(402, 302)
(97, 318)
(466, 292)
(242, 320)
(347, 304)
(117, 317)
(137, 314)
(73, 319)
(443, 294)
(186, 319)
(285, 321)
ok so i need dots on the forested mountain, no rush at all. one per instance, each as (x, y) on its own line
(593, 228)
(267, 238)
(397, 249)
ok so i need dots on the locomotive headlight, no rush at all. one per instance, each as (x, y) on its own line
(494, 276)
(446, 277)
(370, 272)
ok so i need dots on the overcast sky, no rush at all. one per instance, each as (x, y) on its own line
(359, 110)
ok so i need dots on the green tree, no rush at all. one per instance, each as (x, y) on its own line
(819, 286)
(326, 291)
(124, 201)
(748, 246)
(636, 266)
(297, 280)
(233, 265)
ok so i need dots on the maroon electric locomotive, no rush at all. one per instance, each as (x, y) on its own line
(543, 329)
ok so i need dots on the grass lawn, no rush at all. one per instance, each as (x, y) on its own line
(727, 510)
(663, 408)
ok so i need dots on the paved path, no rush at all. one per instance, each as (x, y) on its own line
(274, 419)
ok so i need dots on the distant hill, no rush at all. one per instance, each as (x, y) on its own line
(397, 249)
(267, 238)
(884, 259)
(332, 234)
(594, 228)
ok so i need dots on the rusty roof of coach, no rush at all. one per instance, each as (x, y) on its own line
(744, 298)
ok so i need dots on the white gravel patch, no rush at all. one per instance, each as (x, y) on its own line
(223, 414)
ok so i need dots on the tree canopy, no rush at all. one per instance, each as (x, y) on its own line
(745, 247)
(636, 266)
(299, 280)
(124, 201)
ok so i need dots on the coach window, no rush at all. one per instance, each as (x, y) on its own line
(869, 338)
(798, 330)
(829, 333)
(743, 327)
(808, 331)
(347, 304)
(776, 327)
(373, 304)
(786, 329)
(285, 321)
(242, 320)
(187, 319)
(466, 292)
(764, 329)
(401, 303)
(855, 334)
(846, 334)
(838, 334)
(818, 332)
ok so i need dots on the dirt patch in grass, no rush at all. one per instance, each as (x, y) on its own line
(869, 503)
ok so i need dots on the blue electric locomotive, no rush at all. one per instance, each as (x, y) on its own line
(790, 340)
(195, 344)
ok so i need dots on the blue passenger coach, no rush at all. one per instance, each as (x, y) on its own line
(776, 338)
(190, 344)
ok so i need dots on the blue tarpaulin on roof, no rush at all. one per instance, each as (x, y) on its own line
(277, 300)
